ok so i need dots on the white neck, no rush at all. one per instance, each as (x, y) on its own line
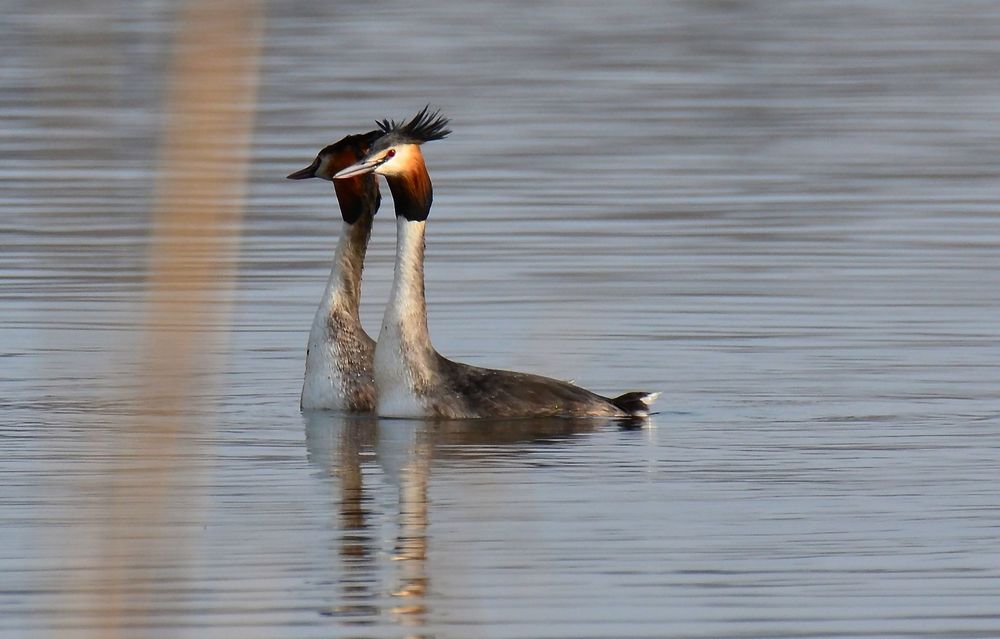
(343, 288)
(405, 361)
(407, 309)
(338, 361)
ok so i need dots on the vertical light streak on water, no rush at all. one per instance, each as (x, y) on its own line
(200, 191)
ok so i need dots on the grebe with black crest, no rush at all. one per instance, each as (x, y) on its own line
(339, 357)
(412, 378)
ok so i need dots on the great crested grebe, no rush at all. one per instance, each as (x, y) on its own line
(339, 357)
(413, 380)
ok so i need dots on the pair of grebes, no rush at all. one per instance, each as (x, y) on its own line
(402, 375)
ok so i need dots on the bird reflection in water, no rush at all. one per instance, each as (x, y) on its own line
(336, 444)
(345, 445)
(411, 541)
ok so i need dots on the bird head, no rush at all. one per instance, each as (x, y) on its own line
(337, 156)
(397, 150)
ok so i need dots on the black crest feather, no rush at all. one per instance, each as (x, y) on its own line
(423, 127)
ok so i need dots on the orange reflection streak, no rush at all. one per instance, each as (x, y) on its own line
(201, 184)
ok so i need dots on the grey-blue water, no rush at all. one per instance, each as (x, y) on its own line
(782, 214)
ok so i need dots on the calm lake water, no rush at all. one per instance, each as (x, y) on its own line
(782, 214)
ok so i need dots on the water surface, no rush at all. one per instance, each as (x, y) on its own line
(781, 214)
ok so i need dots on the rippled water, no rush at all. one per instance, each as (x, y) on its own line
(781, 214)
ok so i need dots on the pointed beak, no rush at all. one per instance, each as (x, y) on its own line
(361, 168)
(308, 172)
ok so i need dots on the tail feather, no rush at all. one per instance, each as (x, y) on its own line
(636, 403)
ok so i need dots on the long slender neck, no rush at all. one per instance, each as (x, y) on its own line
(343, 289)
(359, 201)
(407, 307)
(411, 196)
(404, 336)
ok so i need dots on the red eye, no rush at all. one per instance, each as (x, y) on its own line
(390, 153)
